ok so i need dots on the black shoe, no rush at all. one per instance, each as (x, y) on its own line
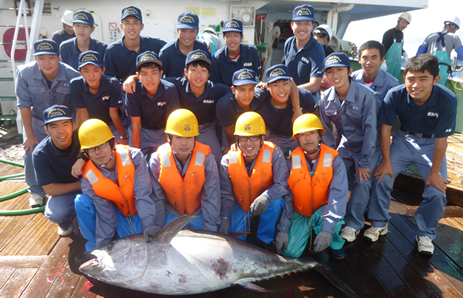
(84, 257)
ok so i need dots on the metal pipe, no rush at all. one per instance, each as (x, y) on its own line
(15, 38)
(332, 19)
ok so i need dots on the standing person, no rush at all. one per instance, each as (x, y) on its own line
(53, 159)
(116, 189)
(83, 25)
(318, 185)
(184, 175)
(234, 56)
(174, 54)
(95, 95)
(150, 105)
(120, 56)
(210, 36)
(427, 112)
(353, 109)
(371, 55)
(67, 32)
(304, 54)
(39, 85)
(441, 45)
(323, 35)
(393, 41)
(253, 182)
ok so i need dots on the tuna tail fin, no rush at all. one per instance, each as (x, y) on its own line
(168, 232)
(327, 273)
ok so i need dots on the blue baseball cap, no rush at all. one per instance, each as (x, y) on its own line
(197, 55)
(84, 17)
(188, 20)
(56, 113)
(45, 46)
(244, 77)
(131, 11)
(277, 72)
(90, 57)
(233, 25)
(148, 56)
(303, 13)
(336, 60)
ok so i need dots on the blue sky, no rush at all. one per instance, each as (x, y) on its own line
(424, 22)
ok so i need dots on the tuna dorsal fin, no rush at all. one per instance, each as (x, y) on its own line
(166, 234)
(251, 286)
(335, 280)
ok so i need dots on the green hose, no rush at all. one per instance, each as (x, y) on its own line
(11, 176)
(21, 212)
(15, 194)
(12, 162)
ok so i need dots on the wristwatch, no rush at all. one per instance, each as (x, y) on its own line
(126, 137)
(83, 156)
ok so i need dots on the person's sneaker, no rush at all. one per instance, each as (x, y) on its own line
(35, 200)
(338, 254)
(349, 234)
(373, 233)
(425, 245)
(72, 227)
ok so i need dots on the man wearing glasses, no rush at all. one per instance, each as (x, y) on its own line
(253, 183)
(116, 190)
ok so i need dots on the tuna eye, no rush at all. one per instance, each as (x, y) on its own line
(109, 247)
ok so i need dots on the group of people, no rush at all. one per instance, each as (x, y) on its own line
(190, 134)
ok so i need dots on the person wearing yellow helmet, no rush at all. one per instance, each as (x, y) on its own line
(116, 190)
(184, 175)
(318, 183)
(253, 186)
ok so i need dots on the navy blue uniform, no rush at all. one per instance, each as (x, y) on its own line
(120, 62)
(99, 104)
(69, 52)
(173, 60)
(61, 36)
(223, 68)
(228, 110)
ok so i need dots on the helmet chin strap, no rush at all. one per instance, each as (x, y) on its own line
(315, 151)
(112, 153)
(257, 153)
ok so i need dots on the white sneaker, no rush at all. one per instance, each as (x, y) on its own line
(425, 245)
(35, 200)
(373, 233)
(72, 227)
(349, 234)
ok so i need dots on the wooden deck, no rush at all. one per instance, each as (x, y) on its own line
(36, 262)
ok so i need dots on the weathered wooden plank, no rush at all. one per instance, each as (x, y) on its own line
(5, 273)
(86, 288)
(22, 261)
(65, 286)
(17, 282)
(50, 270)
(322, 285)
(304, 284)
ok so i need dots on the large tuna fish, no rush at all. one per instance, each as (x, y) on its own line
(179, 262)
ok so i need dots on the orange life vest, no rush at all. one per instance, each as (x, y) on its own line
(248, 188)
(121, 194)
(184, 194)
(310, 193)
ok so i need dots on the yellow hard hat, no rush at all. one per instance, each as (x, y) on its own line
(406, 16)
(250, 124)
(305, 123)
(183, 123)
(93, 133)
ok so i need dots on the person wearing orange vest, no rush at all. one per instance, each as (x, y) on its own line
(116, 189)
(253, 183)
(184, 175)
(318, 183)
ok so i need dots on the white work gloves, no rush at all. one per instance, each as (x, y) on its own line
(281, 241)
(322, 241)
(150, 232)
(225, 227)
(259, 205)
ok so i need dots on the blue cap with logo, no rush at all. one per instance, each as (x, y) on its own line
(131, 11)
(45, 46)
(188, 20)
(197, 55)
(90, 57)
(148, 56)
(56, 113)
(303, 13)
(336, 60)
(233, 25)
(84, 17)
(277, 72)
(244, 77)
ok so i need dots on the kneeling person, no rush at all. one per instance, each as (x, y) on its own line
(184, 174)
(116, 189)
(253, 182)
(318, 183)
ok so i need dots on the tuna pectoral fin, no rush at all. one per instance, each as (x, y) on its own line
(166, 234)
(251, 286)
(327, 273)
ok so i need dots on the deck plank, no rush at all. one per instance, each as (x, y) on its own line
(17, 282)
(5, 274)
(22, 261)
(86, 288)
(64, 286)
(303, 286)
